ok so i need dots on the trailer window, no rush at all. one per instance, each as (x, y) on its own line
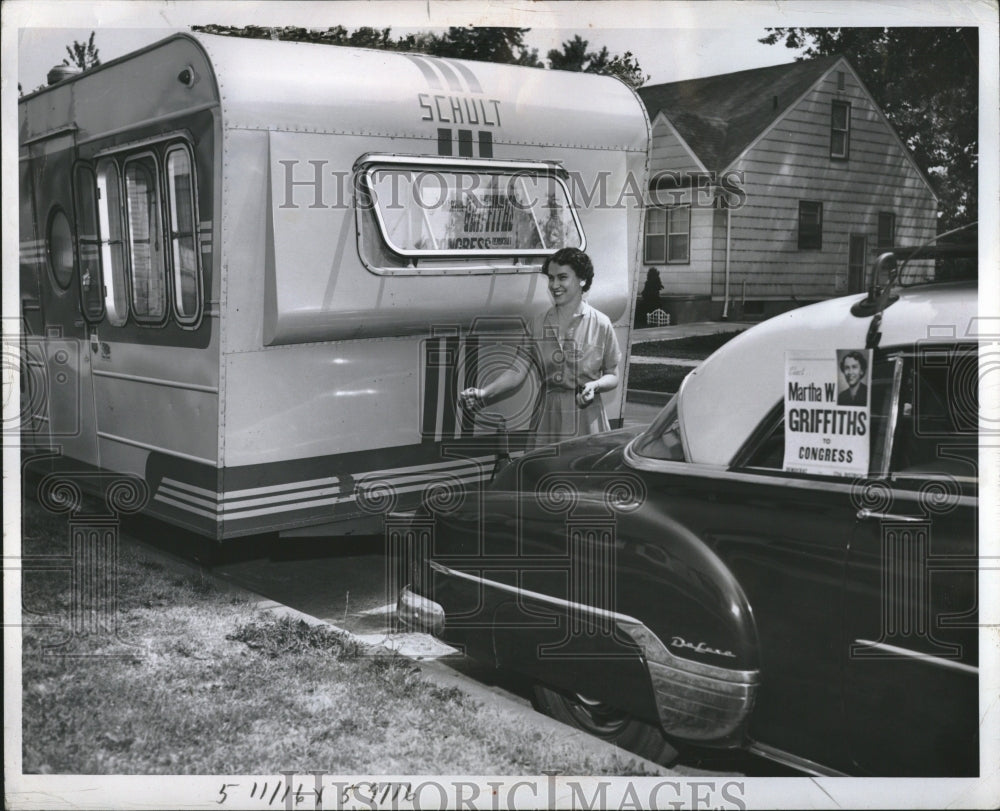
(428, 212)
(148, 276)
(88, 242)
(183, 234)
(109, 218)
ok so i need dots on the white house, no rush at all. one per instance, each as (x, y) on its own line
(774, 187)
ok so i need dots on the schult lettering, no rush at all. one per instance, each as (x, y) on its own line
(459, 109)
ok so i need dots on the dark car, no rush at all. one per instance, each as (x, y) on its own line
(759, 568)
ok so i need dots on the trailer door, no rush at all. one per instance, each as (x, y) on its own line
(63, 342)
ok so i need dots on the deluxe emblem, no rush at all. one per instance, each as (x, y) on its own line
(701, 647)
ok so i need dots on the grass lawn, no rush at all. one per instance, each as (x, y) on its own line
(657, 376)
(208, 685)
(693, 347)
(665, 377)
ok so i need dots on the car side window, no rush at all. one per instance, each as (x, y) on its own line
(938, 414)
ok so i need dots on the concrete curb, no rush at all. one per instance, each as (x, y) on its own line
(435, 670)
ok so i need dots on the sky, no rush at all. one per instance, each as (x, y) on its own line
(665, 54)
(672, 40)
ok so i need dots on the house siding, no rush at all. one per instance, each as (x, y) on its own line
(791, 163)
(668, 152)
(694, 278)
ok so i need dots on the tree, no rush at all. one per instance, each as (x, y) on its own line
(486, 44)
(926, 82)
(575, 56)
(83, 55)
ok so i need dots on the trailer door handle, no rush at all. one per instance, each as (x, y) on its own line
(865, 514)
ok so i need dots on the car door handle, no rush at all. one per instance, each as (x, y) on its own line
(864, 515)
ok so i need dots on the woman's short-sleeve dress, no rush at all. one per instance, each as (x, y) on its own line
(589, 351)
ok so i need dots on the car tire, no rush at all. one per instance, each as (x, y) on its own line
(606, 722)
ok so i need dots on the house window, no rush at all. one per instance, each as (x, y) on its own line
(886, 230)
(857, 252)
(840, 130)
(668, 235)
(810, 225)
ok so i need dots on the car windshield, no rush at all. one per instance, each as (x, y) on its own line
(662, 440)
(946, 266)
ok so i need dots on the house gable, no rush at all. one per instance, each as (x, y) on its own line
(718, 116)
(790, 164)
(772, 129)
(670, 152)
(840, 63)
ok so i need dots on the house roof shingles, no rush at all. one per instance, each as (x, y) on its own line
(719, 116)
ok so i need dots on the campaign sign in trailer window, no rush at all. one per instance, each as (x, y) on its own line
(444, 212)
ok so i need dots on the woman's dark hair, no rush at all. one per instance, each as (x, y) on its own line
(576, 259)
(860, 358)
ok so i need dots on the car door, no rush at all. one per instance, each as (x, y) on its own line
(911, 653)
(787, 540)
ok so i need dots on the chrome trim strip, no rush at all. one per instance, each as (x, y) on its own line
(796, 762)
(651, 644)
(694, 700)
(418, 161)
(864, 514)
(157, 448)
(926, 658)
(157, 381)
(545, 598)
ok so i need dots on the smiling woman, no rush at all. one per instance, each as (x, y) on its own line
(574, 347)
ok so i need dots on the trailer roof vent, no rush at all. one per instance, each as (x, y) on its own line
(61, 72)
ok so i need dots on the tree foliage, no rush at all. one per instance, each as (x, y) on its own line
(83, 55)
(926, 82)
(484, 44)
(575, 56)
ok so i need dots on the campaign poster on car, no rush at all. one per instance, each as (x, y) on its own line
(827, 411)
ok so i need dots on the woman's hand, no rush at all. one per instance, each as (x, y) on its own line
(585, 394)
(472, 398)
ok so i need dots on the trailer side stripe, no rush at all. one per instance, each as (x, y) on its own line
(468, 75)
(431, 375)
(470, 377)
(448, 72)
(450, 392)
(314, 492)
(429, 74)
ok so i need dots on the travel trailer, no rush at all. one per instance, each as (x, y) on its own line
(255, 274)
